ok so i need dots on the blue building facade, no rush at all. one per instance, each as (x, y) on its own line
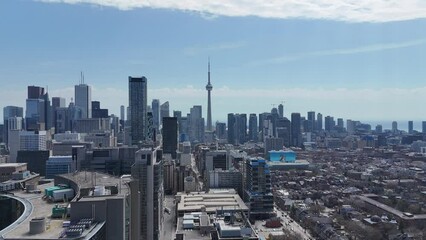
(282, 156)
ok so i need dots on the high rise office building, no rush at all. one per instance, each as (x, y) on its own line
(8, 112)
(340, 123)
(155, 106)
(164, 111)
(38, 109)
(57, 102)
(220, 130)
(296, 134)
(241, 128)
(209, 88)
(281, 110)
(196, 124)
(423, 126)
(253, 130)
(83, 99)
(410, 127)
(122, 113)
(170, 135)
(283, 131)
(97, 111)
(311, 122)
(231, 128)
(138, 108)
(329, 123)
(148, 172)
(394, 126)
(319, 122)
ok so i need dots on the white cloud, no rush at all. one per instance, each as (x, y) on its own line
(340, 10)
(359, 104)
(340, 51)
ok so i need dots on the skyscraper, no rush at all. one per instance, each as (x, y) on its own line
(138, 108)
(394, 126)
(170, 135)
(319, 122)
(36, 108)
(253, 127)
(155, 106)
(231, 128)
(8, 112)
(196, 124)
(296, 135)
(83, 99)
(311, 121)
(241, 128)
(329, 123)
(209, 88)
(147, 171)
(164, 111)
(410, 127)
(423, 126)
(281, 110)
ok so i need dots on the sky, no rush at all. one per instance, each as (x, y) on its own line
(361, 60)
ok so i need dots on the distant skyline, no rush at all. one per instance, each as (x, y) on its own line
(362, 61)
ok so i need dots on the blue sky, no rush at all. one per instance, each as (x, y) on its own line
(362, 60)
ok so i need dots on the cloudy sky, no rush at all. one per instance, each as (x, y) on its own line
(362, 60)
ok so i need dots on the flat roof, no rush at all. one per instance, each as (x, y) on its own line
(194, 202)
(84, 180)
(12, 164)
(36, 207)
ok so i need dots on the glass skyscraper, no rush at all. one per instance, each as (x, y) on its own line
(138, 108)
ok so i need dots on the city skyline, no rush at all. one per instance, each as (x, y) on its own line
(355, 67)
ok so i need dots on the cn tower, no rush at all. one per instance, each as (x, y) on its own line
(209, 88)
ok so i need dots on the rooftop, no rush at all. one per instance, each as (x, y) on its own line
(195, 201)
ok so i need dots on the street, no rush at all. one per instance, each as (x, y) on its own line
(169, 228)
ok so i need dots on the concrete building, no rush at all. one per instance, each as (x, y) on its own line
(217, 215)
(138, 94)
(164, 111)
(101, 139)
(7, 170)
(10, 112)
(89, 125)
(83, 99)
(196, 125)
(225, 179)
(147, 171)
(217, 159)
(155, 107)
(29, 140)
(273, 143)
(103, 208)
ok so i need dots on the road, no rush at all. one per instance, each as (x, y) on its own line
(287, 222)
(197, 173)
(293, 225)
(169, 229)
